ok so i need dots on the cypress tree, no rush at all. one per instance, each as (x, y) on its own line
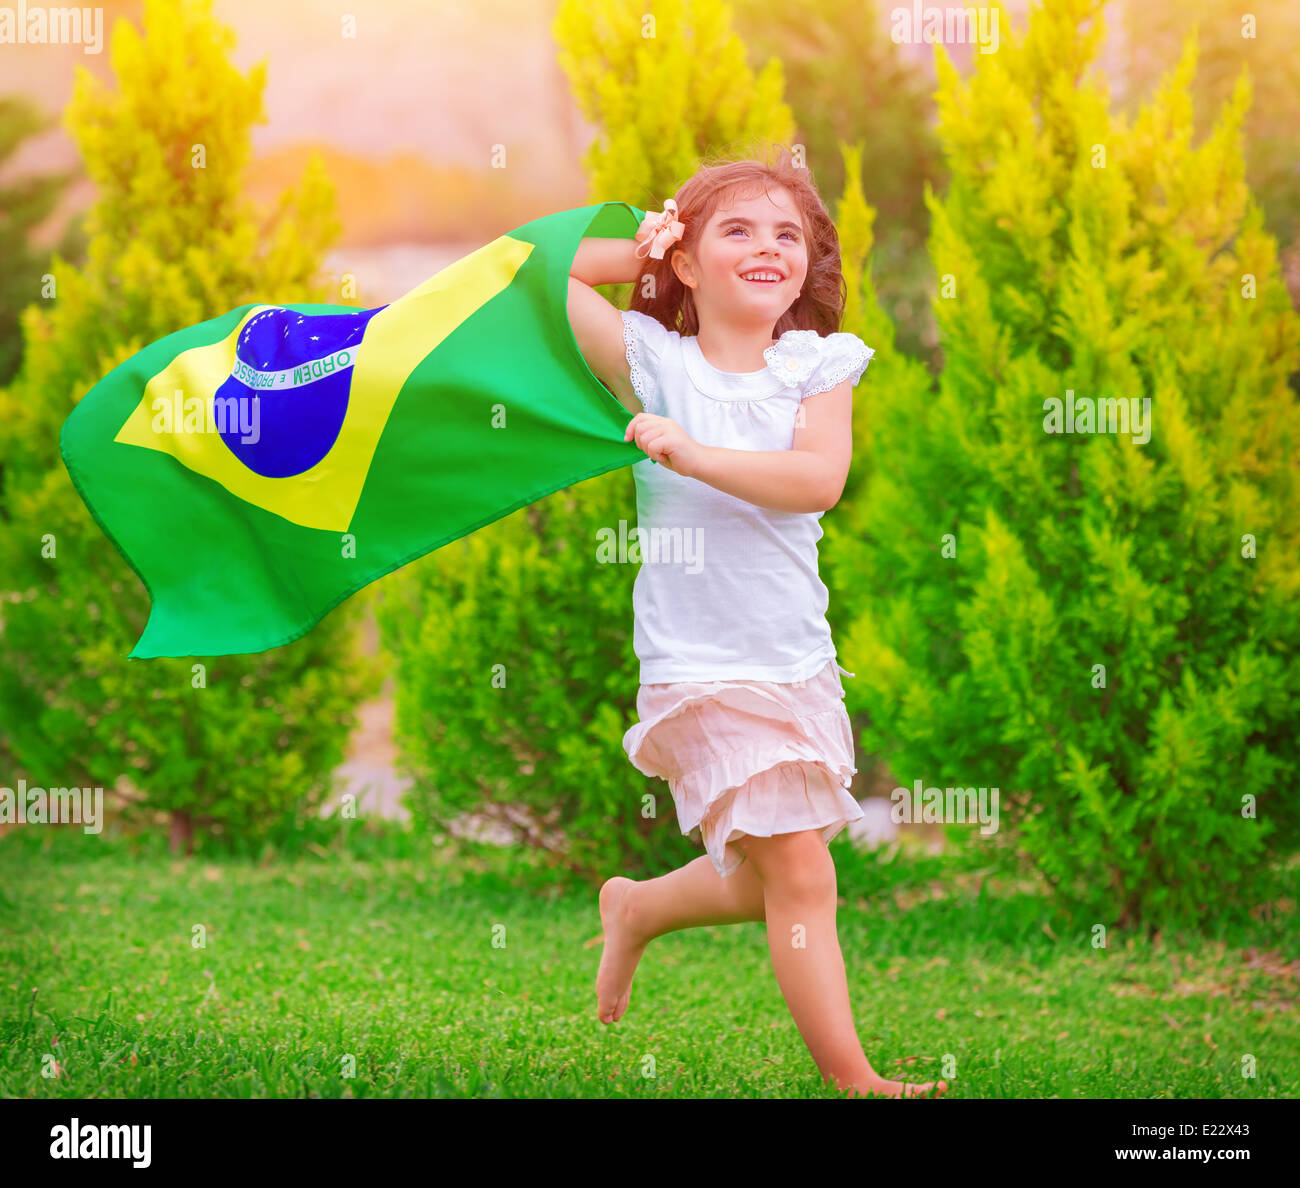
(238, 744)
(1100, 624)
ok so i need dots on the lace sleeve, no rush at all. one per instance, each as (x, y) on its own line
(843, 357)
(644, 339)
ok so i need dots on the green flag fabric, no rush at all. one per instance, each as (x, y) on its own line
(258, 468)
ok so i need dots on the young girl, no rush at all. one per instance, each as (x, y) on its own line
(732, 362)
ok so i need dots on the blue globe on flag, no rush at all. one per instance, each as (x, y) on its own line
(287, 395)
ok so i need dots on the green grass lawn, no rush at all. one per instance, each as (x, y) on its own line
(439, 978)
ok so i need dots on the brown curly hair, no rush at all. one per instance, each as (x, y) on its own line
(819, 307)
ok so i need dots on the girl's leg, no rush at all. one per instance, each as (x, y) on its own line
(691, 896)
(798, 877)
(633, 914)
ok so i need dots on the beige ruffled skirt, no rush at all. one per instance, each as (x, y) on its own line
(749, 757)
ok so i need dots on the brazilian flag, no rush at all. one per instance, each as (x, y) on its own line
(257, 469)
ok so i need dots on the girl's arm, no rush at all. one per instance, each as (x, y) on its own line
(598, 325)
(606, 262)
(808, 477)
(780, 480)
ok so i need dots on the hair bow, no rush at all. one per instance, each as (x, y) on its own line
(658, 232)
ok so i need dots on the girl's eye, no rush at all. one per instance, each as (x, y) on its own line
(791, 234)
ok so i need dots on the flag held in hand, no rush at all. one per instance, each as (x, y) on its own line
(258, 468)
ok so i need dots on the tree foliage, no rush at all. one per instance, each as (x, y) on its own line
(666, 89)
(249, 740)
(1103, 630)
(24, 204)
(846, 81)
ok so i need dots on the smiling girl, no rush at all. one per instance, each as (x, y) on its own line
(740, 381)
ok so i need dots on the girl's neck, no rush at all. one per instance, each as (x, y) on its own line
(734, 351)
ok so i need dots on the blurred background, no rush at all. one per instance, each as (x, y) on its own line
(402, 118)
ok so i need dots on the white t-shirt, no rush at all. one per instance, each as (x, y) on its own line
(728, 590)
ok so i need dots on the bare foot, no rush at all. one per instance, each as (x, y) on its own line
(880, 1087)
(622, 951)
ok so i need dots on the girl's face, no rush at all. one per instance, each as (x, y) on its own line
(763, 234)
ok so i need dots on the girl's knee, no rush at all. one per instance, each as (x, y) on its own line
(795, 865)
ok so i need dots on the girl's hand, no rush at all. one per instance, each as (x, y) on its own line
(666, 442)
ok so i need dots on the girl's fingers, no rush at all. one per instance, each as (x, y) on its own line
(640, 433)
(647, 439)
